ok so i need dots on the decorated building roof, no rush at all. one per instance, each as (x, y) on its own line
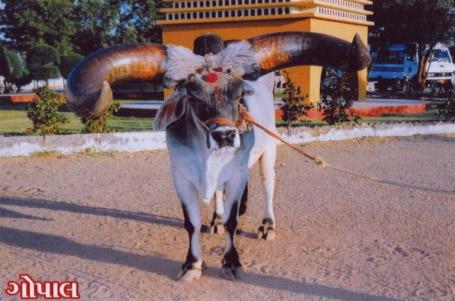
(211, 11)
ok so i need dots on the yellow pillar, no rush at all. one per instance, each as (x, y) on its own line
(308, 78)
(315, 84)
(299, 76)
(362, 80)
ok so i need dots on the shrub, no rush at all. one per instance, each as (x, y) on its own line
(43, 112)
(99, 124)
(336, 97)
(294, 107)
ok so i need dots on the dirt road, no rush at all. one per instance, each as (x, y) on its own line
(113, 223)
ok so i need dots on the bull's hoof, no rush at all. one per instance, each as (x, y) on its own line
(216, 226)
(216, 229)
(270, 235)
(266, 231)
(189, 274)
(232, 273)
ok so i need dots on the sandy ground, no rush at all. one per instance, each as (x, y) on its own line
(112, 221)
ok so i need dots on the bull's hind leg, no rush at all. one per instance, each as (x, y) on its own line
(267, 165)
(194, 266)
(216, 225)
(232, 268)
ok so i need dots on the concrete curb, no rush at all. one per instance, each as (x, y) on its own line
(145, 141)
(67, 144)
(363, 131)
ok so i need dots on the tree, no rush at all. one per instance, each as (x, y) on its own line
(29, 23)
(336, 96)
(12, 67)
(100, 24)
(24, 80)
(43, 61)
(424, 22)
(67, 63)
(10, 63)
(138, 21)
(83, 26)
(95, 23)
(294, 106)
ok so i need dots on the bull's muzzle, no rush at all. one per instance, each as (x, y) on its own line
(223, 136)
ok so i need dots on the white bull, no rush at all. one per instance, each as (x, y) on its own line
(210, 145)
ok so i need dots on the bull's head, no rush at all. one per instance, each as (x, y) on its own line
(209, 87)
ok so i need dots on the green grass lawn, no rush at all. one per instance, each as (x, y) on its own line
(430, 115)
(14, 121)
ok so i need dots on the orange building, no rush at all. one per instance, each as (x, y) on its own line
(184, 20)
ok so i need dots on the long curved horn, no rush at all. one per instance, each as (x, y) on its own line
(88, 89)
(286, 49)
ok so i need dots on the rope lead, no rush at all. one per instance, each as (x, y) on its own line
(321, 163)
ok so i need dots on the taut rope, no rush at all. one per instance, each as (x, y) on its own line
(323, 164)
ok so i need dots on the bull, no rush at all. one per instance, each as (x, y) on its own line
(211, 147)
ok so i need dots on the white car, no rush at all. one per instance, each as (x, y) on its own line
(440, 69)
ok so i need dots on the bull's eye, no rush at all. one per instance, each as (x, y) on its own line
(247, 92)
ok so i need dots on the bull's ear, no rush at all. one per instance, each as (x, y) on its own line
(172, 110)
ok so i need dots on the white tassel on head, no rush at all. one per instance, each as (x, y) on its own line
(239, 57)
(180, 63)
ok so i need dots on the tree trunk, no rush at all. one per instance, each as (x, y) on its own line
(423, 60)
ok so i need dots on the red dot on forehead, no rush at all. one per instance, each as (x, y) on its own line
(212, 77)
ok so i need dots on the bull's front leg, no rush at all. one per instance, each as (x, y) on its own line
(232, 268)
(194, 266)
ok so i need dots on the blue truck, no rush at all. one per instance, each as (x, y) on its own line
(394, 67)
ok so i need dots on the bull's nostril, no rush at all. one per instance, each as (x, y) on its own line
(218, 135)
(231, 134)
